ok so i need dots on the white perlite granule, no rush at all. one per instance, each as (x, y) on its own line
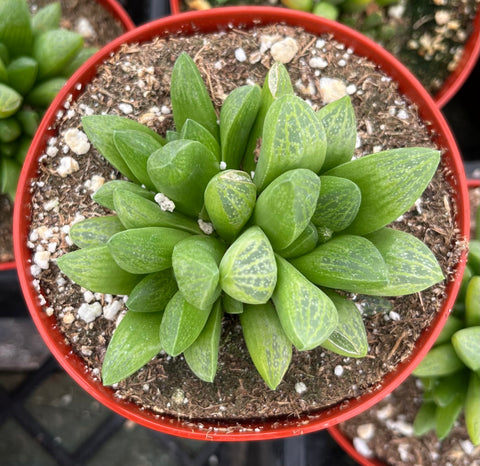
(240, 55)
(166, 204)
(362, 447)
(89, 312)
(206, 227)
(300, 388)
(338, 371)
(77, 141)
(68, 165)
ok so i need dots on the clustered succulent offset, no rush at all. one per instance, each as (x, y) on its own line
(36, 58)
(450, 372)
(294, 220)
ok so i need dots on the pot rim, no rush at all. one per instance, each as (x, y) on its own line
(455, 80)
(213, 20)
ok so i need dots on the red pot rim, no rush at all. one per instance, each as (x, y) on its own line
(213, 20)
(454, 81)
(7, 265)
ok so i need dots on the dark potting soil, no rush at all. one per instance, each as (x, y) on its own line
(135, 82)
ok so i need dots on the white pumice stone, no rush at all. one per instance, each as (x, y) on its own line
(85, 28)
(366, 431)
(206, 227)
(240, 55)
(164, 202)
(42, 259)
(285, 50)
(362, 447)
(68, 165)
(300, 388)
(77, 141)
(89, 312)
(332, 89)
(338, 371)
(110, 311)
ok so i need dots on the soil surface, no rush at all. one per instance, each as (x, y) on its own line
(135, 83)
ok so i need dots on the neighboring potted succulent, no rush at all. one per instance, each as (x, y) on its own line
(37, 55)
(156, 133)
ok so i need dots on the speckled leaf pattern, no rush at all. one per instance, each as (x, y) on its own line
(390, 182)
(439, 361)
(22, 73)
(229, 200)
(153, 292)
(466, 343)
(196, 132)
(304, 243)
(248, 271)
(202, 355)
(134, 343)
(94, 269)
(104, 195)
(10, 101)
(293, 137)
(339, 122)
(15, 28)
(347, 262)
(284, 209)
(349, 337)
(337, 204)
(181, 170)
(145, 250)
(306, 313)
(181, 325)
(100, 129)
(267, 344)
(135, 211)
(95, 231)
(195, 263)
(190, 98)
(236, 120)
(472, 408)
(231, 305)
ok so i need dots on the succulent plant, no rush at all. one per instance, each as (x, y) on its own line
(195, 239)
(450, 372)
(36, 58)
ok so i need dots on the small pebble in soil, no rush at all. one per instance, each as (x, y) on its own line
(77, 141)
(125, 108)
(331, 89)
(366, 431)
(362, 447)
(300, 388)
(385, 412)
(338, 371)
(89, 312)
(240, 55)
(285, 50)
(42, 259)
(68, 165)
(111, 310)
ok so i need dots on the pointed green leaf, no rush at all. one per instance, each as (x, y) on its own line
(3, 72)
(153, 293)
(4, 54)
(472, 302)
(202, 355)
(10, 101)
(134, 343)
(135, 147)
(175, 136)
(15, 28)
(231, 305)
(474, 256)
(425, 418)
(190, 98)
(145, 250)
(94, 269)
(306, 313)
(9, 149)
(445, 417)
(467, 346)
(303, 244)
(285, 207)
(47, 18)
(22, 73)
(229, 200)
(104, 195)
(100, 129)
(390, 183)
(236, 120)
(449, 387)
(440, 361)
(135, 211)
(248, 271)
(78, 60)
(293, 137)
(29, 120)
(43, 94)
(181, 325)
(269, 347)
(9, 129)
(195, 264)
(21, 152)
(338, 119)
(337, 204)
(196, 132)
(277, 83)
(452, 325)
(181, 170)
(9, 174)
(472, 409)
(95, 231)
(346, 262)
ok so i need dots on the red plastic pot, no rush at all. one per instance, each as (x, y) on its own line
(456, 79)
(214, 20)
(117, 11)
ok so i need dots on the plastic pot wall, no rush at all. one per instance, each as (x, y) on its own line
(208, 21)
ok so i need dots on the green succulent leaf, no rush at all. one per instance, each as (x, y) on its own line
(349, 337)
(10, 101)
(293, 137)
(231, 305)
(306, 313)
(136, 211)
(9, 174)
(237, 117)
(337, 204)
(42, 94)
(95, 231)
(190, 98)
(100, 129)
(78, 60)
(4, 54)
(425, 418)
(181, 325)
(22, 73)
(153, 292)
(15, 29)
(29, 121)
(474, 256)
(440, 361)
(181, 170)
(452, 325)
(284, 209)
(229, 200)
(134, 343)
(175, 136)
(202, 355)
(94, 269)
(303, 244)
(472, 302)
(467, 346)
(3, 72)
(9, 149)
(445, 417)
(347, 262)
(195, 263)
(135, 147)
(338, 119)
(390, 182)
(472, 409)
(104, 195)
(46, 18)
(196, 132)
(145, 250)
(450, 387)
(267, 344)
(22, 150)
(248, 271)
(9, 129)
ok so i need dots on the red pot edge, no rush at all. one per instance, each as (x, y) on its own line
(188, 22)
(455, 80)
(7, 265)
